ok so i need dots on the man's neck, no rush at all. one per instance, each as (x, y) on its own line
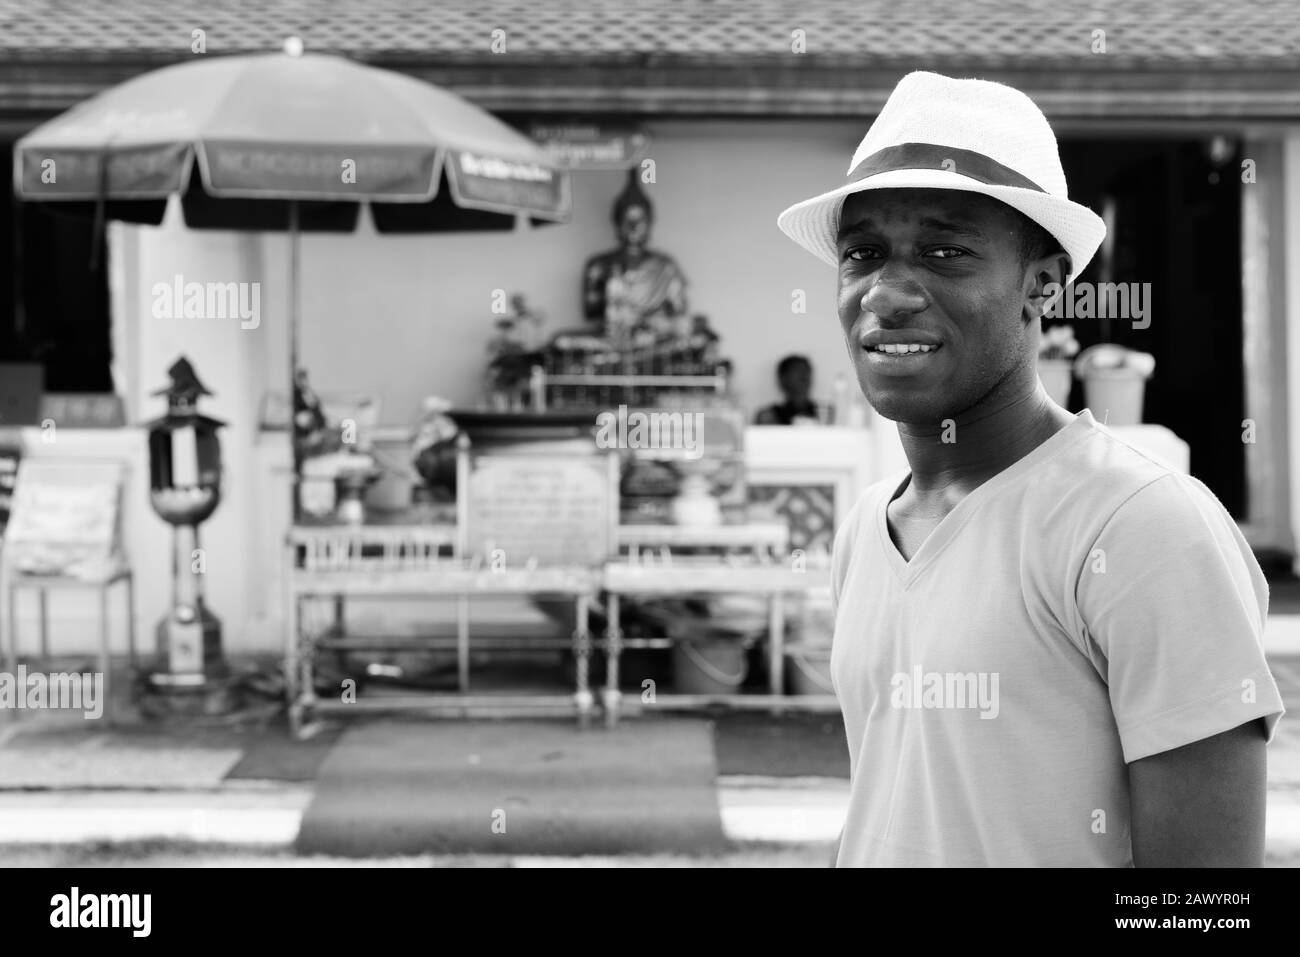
(980, 443)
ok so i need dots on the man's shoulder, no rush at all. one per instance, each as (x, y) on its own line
(1103, 484)
(1098, 473)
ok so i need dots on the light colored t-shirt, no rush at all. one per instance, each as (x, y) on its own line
(1084, 608)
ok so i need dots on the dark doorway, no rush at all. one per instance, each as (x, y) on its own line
(53, 303)
(1177, 227)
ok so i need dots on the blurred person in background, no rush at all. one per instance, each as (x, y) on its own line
(794, 377)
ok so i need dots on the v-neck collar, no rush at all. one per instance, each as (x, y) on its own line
(947, 529)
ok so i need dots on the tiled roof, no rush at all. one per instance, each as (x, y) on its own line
(1146, 33)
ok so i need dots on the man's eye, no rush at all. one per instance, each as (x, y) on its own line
(859, 253)
(947, 252)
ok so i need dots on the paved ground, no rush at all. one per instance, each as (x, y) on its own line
(155, 855)
(214, 793)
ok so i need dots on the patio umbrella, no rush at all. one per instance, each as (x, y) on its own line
(289, 141)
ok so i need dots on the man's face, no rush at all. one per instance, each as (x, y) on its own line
(937, 267)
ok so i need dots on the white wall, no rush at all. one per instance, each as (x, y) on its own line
(229, 360)
(409, 316)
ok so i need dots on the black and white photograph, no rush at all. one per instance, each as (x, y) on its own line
(619, 434)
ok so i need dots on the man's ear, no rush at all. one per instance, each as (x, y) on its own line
(1045, 278)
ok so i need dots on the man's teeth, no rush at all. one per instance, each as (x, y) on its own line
(902, 347)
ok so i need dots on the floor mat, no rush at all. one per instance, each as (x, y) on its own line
(516, 787)
(106, 763)
(792, 745)
(278, 757)
(1284, 596)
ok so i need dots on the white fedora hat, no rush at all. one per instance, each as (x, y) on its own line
(972, 135)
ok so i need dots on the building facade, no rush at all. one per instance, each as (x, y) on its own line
(1180, 119)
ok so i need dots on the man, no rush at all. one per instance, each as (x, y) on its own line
(1048, 646)
(794, 378)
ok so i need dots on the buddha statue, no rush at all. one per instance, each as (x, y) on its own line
(634, 290)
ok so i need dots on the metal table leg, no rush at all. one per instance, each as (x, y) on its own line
(9, 642)
(776, 643)
(105, 658)
(11, 592)
(45, 634)
(462, 642)
(307, 671)
(613, 648)
(292, 638)
(582, 655)
(130, 624)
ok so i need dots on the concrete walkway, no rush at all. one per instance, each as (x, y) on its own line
(778, 811)
(189, 802)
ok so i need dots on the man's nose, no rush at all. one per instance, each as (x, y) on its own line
(893, 295)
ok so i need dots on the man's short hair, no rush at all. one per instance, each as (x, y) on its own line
(1035, 241)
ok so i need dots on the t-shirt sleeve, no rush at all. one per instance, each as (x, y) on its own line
(1172, 606)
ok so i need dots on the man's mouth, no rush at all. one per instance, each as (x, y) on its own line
(902, 348)
(901, 358)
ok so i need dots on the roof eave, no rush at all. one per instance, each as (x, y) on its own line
(653, 85)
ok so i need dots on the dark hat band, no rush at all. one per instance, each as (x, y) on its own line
(967, 163)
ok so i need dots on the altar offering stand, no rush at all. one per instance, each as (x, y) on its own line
(329, 563)
(489, 551)
(764, 571)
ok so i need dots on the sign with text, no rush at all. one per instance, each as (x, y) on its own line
(540, 509)
(587, 146)
(64, 515)
(507, 186)
(77, 411)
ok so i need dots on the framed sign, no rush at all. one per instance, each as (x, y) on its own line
(507, 186)
(64, 514)
(529, 508)
(591, 146)
(77, 411)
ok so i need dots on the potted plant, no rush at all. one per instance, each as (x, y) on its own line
(433, 450)
(1114, 379)
(512, 353)
(1055, 350)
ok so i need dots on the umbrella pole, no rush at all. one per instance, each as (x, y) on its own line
(294, 263)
